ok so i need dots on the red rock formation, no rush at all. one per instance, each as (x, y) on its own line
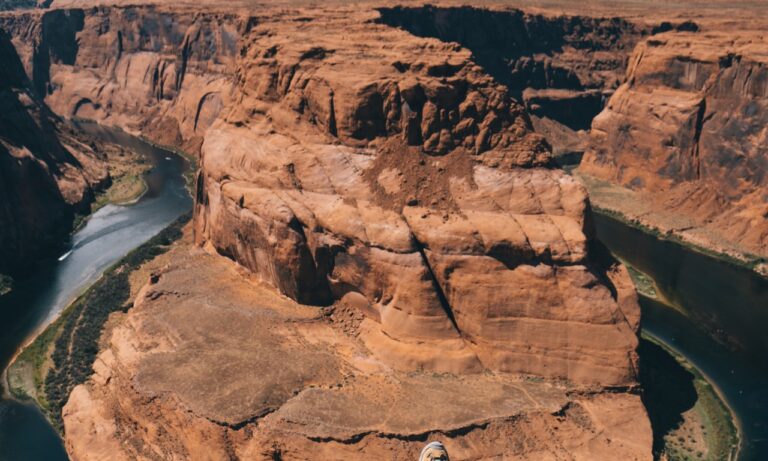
(248, 374)
(46, 174)
(323, 179)
(349, 163)
(686, 130)
(149, 70)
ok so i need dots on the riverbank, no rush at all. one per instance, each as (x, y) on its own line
(93, 127)
(689, 414)
(37, 300)
(127, 170)
(61, 355)
(627, 206)
(707, 314)
(190, 173)
(691, 419)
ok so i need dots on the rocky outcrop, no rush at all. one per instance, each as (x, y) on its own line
(686, 131)
(325, 181)
(46, 173)
(249, 374)
(163, 74)
(349, 164)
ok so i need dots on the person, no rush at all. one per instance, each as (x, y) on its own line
(434, 451)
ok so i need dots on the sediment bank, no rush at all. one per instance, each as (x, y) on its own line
(631, 209)
(61, 356)
(689, 414)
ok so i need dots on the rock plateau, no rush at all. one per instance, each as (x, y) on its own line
(383, 249)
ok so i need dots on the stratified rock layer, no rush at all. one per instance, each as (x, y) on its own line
(162, 73)
(687, 130)
(404, 181)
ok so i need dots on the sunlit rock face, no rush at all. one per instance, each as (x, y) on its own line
(405, 181)
(687, 128)
(350, 164)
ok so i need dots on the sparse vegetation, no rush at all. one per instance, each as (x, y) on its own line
(126, 170)
(689, 419)
(127, 182)
(7, 5)
(749, 261)
(6, 284)
(643, 283)
(61, 357)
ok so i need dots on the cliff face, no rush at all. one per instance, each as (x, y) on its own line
(46, 174)
(350, 164)
(563, 68)
(405, 182)
(160, 73)
(687, 130)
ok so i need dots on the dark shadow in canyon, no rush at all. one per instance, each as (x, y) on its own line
(669, 390)
(58, 45)
(27, 182)
(583, 57)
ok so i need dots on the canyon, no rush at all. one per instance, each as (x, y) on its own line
(384, 250)
(47, 173)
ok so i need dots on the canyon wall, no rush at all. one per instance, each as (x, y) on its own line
(687, 129)
(562, 68)
(46, 173)
(349, 164)
(165, 75)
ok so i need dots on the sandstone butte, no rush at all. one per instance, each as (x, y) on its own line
(376, 162)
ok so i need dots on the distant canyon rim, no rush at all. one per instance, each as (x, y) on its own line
(384, 248)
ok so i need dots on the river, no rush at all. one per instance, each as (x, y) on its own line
(708, 291)
(720, 323)
(109, 234)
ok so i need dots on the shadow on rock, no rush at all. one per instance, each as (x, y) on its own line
(669, 390)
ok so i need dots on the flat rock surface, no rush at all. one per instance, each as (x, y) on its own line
(253, 367)
(245, 352)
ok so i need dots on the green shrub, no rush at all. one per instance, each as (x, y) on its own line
(77, 345)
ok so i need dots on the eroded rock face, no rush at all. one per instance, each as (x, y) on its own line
(249, 374)
(476, 259)
(46, 174)
(162, 73)
(345, 163)
(562, 68)
(687, 128)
